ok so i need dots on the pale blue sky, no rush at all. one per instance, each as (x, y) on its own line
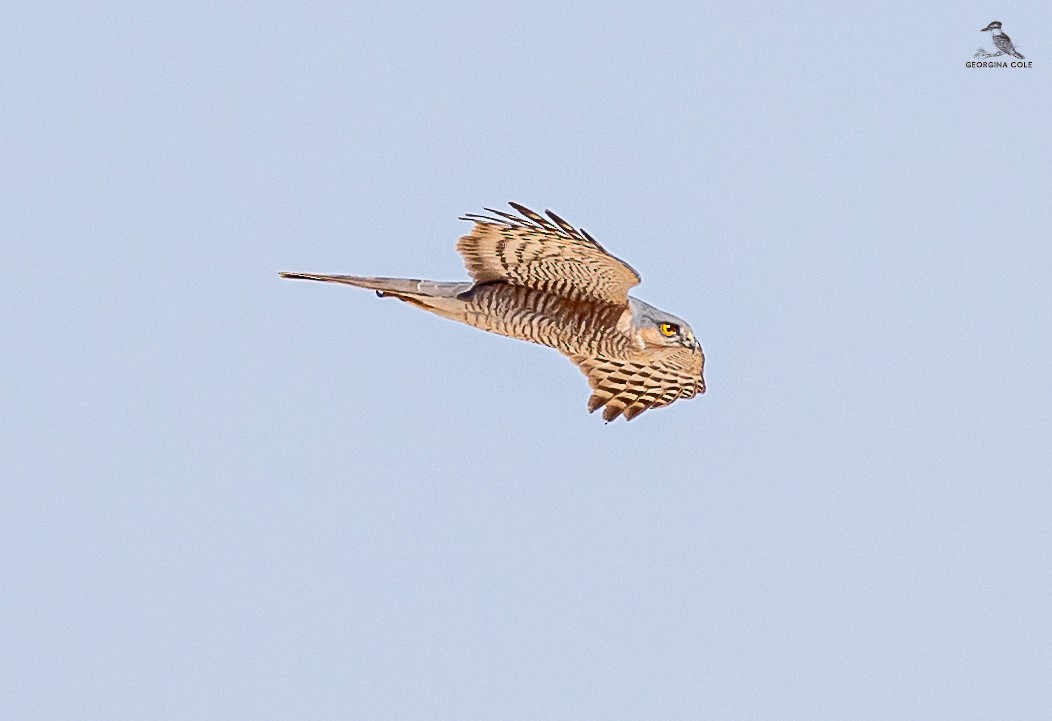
(227, 496)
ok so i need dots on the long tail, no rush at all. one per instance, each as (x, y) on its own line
(438, 297)
(404, 288)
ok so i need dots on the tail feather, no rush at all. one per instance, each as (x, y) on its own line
(398, 287)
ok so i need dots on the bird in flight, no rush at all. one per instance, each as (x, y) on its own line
(537, 278)
(1001, 41)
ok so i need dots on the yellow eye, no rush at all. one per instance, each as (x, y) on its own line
(668, 329)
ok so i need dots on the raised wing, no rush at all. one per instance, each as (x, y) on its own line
(546, 254)
(631, 387)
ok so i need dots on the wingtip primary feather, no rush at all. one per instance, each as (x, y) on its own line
(530, 215)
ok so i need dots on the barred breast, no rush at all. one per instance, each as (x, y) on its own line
(572, 327)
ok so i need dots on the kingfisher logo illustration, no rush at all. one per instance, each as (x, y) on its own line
(1005, 48)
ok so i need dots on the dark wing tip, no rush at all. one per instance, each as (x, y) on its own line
(531, 215)
(499, 217)
(566, 227)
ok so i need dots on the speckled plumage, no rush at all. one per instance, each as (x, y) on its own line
(539, 279)
(1004, 43)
